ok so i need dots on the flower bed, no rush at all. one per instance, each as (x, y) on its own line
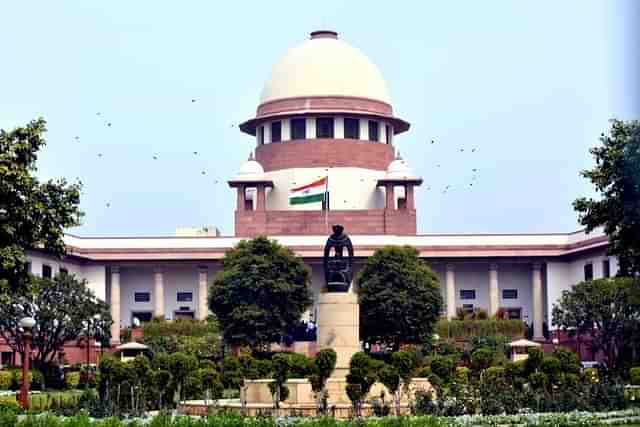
(574, 419)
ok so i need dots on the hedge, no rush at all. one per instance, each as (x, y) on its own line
(580, 419)
(465, 329)
(191, 328)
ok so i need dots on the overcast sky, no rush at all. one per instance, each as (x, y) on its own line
(529, 84)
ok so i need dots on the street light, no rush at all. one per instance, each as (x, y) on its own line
(26, 323)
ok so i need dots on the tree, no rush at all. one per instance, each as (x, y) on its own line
(616, 177)
(182, 366)
(608, 310)
(261, 292)
(278, 388)
(63, 308)
(362, 374)
(323, 366)
(390, 378)
(405, 363)
(399, 296)
(32, 214)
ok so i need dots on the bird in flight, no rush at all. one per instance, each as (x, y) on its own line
(99, 154)
(98, 113)
(193, 100)
(109, 124)
(155, 157)
(432, 141)
(195, 153)
(473, 150)
(108, 205)
(76, 138)
(204, 172)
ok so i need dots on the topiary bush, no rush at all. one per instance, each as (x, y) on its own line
(482, 358)
(634, 375)
(443, 367)
(72, 379)
(6, 380)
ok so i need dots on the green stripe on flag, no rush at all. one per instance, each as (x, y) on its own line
(301, 200)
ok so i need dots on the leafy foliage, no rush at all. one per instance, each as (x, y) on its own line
(260, 293)
(399, 297)
(64, 310)
(464, 329)
(616, 177)
(608, 310)
(32, 214)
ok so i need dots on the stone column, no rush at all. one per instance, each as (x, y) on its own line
(390, 202)
(450, 281)
(260, 197)
(338, 327)
(494, 293)
(158, 293)
(115, 305)
(409, 195)
(241, 198)
(203, 294)
(536, 279)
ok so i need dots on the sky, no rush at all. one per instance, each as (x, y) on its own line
(529, 84)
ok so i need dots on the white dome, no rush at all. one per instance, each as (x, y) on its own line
(250, 169)
(399, 168)
(324, 66)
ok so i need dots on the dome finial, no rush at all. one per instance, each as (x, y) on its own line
(323, 34)
(398, 156)
(250, 155)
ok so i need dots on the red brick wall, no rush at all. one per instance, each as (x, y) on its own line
(369, 221)
(327, 153)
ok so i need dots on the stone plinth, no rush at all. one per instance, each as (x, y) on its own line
(338, 327)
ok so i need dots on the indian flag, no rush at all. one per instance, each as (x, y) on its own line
(310, 193)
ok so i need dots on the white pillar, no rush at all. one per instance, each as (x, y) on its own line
(203, 306)
(338, 131)
(536, 279)
(494, 295)
(451, 291)
(364, 129)
(115, 305)
(158, 293)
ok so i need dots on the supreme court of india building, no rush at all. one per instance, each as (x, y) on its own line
(325, 124)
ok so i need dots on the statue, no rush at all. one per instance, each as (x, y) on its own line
(338, 270)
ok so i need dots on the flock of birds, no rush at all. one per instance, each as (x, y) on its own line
(443, 190)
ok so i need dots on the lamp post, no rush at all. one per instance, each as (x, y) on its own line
(26, 324)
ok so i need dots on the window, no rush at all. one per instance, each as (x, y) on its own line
(185, 296)
(29, 267)
(513, 313)
(324, 127)
(142, 316)
(248, 204)
(298, 128)
(388, 134)
(606, 269)
(509, 294)
(467, 294)
(276, 131)
(374, 134)
(46, 271)
(588, 272)
(141, 297)
(467, 308)
(63, 271)
(260, 135)
(352, 128)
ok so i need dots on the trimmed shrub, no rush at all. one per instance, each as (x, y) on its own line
(569, 361)
(482, 358)
(443, 367)
(463, 329)
(634, 375)
(72, 379)
(6, 380)
(17, 378)
(462, 374)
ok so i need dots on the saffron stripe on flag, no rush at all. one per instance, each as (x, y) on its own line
(313, 184)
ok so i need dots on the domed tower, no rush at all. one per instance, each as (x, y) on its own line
(324, 153)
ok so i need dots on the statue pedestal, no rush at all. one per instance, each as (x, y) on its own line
(338, 327)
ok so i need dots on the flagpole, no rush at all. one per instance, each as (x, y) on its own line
(326, 197)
